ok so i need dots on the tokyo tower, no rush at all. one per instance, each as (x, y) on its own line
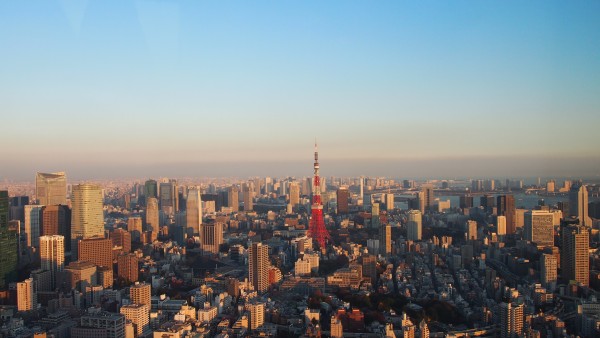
(316, 228)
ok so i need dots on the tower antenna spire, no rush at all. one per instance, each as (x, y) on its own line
(316, 229)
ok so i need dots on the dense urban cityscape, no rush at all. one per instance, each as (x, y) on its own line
(299, 257)
(326, 169)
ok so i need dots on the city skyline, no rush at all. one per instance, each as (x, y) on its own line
(199, 89)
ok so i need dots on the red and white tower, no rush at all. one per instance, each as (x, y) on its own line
(316, 228)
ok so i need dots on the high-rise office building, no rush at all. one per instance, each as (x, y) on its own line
(97, 250)
(127, 267)
(87, 215)
(141, 293)
(152, 219)
(248, 191)
(294, 194)
(426, 197)
(539, 227)
(150, 189)
(385, 239)
(548, 271)
(51, 189)
(42, 280)
(506, 207)
(574, 256)
(193, 212)
(258, 266)
(414, 225)
(56, 220)
(17, 207)
(343, 200)
(169, 198)
(578, 204)
(9, 240)
(511, 320)
(26, 295)
(233, 195)
(211, 237)
(52, 256)
(33, 221)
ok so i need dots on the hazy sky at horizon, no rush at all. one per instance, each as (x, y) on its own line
(464, 88)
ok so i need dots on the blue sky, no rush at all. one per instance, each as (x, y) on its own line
(191, 86)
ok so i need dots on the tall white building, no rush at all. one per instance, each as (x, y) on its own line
(25, 295)
(578, 204)
(152, 215)
(193, 211)
(501, 225)
(87, 217)
(414, 225)
(52, 255)
(257, 315)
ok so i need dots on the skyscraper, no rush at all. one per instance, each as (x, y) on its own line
(506, 207)
(26, 295)
(414, 225)
(574, 257)
(233, 198)
(247, 191)
(375, 215)
(471, 230)
(258, 266)
(52, 256)
(426, 197)
(539, 227)
(56, 220)
(211, 237)
(193, 212)
(385, 239)
(389, 202)
(343, 198)
(169, 198)
(294, 194)
(511, 320)
(152, 222)
(51, 189)
(150, 189)
(33, 220)
(8, 244)
(501, 225)
(87, 216)
(578, 204)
